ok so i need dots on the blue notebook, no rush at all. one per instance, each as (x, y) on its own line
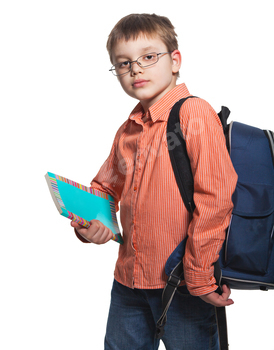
(82, 204)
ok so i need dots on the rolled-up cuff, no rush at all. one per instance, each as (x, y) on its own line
(199, 283)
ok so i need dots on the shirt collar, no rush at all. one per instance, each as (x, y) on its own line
(158, 110)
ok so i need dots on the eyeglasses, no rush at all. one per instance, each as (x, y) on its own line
(143, 61)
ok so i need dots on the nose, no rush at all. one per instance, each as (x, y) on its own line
(135, 68)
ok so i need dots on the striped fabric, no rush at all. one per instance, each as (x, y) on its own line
(138, 174)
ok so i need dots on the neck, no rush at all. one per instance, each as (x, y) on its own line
(146, 104)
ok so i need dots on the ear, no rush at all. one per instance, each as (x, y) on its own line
(176, 61)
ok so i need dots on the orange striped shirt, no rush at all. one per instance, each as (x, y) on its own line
(138, 173)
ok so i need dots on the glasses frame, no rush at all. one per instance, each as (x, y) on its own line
(113, 68)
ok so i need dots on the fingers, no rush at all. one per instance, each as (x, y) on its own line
(97, 233)
(226, 292)
(75, 225)
(218, 300)
(225, 296)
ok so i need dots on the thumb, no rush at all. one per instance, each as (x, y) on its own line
(226, 294)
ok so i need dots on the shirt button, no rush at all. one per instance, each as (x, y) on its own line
(135, 189)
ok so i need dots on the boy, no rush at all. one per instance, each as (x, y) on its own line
(146, 61)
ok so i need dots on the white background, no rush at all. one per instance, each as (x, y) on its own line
(60, 109)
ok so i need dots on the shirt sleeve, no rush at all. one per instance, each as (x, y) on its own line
(110, 178)
(214, 183)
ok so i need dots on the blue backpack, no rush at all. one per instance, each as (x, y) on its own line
(247, 257)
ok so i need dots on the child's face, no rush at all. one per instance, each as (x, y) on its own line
(151, 83)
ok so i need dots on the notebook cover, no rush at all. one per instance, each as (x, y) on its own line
(82, 204)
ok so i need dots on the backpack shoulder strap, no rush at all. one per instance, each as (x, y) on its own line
(178, 156)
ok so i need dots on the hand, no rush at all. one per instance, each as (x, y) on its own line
(97, 233)
(217, 299)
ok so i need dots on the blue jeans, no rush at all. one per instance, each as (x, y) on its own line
(191, 323)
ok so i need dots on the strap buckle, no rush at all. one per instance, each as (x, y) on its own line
(160, 330)
(174, 281)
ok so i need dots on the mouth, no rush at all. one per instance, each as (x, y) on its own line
(139, 83)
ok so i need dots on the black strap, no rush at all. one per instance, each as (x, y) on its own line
(184, 178)
(172, 284)
(223, 116)
(178, 156)
(222, 327)
(220, 312)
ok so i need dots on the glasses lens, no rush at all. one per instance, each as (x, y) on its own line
(148, 59)
(121, 68)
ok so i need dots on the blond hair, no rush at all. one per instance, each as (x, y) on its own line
(131, 26)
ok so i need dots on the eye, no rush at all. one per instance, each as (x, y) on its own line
(124, 64)
(149, 57)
